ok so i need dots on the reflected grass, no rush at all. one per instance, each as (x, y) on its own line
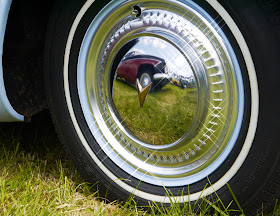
(166, 116)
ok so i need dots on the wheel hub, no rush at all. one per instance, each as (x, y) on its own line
(182, 133)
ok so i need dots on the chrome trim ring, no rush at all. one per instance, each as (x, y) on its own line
(218, 119)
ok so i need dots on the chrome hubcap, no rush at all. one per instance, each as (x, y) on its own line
(191, 117)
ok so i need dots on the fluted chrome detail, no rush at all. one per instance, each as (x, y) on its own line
(212, 72)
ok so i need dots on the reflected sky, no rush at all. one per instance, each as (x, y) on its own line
(176, 63)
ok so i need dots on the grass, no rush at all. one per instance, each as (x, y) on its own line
(37, 178)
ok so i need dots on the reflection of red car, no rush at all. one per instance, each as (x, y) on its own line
(144, 67)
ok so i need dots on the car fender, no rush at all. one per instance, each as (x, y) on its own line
(7, 113)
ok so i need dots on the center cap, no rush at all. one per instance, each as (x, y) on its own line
(151, 65)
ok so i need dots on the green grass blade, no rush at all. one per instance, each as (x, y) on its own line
(235, 199)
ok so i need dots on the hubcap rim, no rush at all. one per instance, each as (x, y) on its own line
(191, 157)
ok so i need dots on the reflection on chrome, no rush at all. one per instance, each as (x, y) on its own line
(154, 60)
(169, 111)
(194, 109)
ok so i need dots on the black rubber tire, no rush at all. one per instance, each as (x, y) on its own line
(257, 182)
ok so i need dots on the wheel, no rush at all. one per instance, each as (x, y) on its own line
(222, 130)
(145, 78)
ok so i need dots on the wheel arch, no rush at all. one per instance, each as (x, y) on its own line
(145, 66)
(23, 54)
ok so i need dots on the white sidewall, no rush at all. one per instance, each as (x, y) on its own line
(251, 130)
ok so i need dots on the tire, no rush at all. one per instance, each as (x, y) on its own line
(232, 137)
(146, 77)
